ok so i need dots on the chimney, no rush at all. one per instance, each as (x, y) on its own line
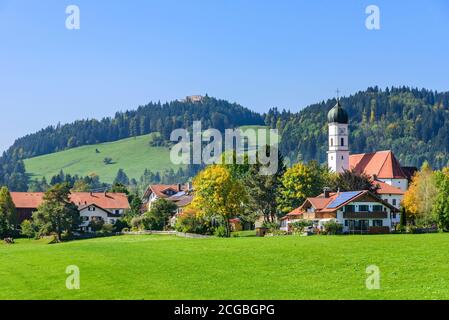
(326, 192)
(91, 193)
(375, 177)
(179, 187)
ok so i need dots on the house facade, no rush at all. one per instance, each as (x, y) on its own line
(356, 211)
(92, 206)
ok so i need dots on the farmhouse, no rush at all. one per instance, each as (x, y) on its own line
(93, 206)
(178, 193)
(357, 211)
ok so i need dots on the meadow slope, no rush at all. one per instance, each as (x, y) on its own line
(133, 155)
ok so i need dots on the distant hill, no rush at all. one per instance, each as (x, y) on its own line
(414, 123)
(133, 155)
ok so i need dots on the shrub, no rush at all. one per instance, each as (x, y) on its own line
(96, 225)
(221, 232)
(333, 227)
(106, 229)
(120, 225)
(299, 226)
(27, 229)
(189, 222)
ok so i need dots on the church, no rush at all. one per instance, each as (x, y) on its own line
(358, 211)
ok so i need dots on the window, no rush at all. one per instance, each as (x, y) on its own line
(350, 208)
(377, 223)
(346, 223)
(117, 211)
(394, 202)
(377, 208)
(342, 158)
(342, 142)
(363, 208)
(332, 142)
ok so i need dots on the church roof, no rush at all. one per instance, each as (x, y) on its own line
(382, 165)
(338, 114)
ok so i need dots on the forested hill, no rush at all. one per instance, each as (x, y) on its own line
(153, 117)
(413, 123)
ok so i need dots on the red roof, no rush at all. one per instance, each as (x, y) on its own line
(32, 200)
(296, 212)
(385, 188)
(160, 189)
(382, 164)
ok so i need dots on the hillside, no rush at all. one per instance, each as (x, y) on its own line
(133, 155)
(413, 123)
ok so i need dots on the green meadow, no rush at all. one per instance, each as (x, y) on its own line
(133, 155)
(246, 267)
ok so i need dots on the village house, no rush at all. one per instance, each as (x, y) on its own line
(357, 211)
(104, 206)
(180, 194)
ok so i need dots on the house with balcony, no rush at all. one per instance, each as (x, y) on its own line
(357, 211)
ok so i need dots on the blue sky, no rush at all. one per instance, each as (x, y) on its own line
(259, 53)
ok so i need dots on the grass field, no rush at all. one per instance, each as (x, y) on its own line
(134, 155)
(167, 267)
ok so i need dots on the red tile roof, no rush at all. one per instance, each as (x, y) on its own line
(32, 200)
(382, 164)
(159, 189)
(296, 212)
(385, 188)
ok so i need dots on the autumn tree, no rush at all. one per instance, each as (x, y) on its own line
(421, 196)
(300, 182)
(57, 214)
(218, 194)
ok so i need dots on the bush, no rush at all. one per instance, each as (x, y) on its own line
(189, 222)
(27, 229)
(106, 230)
(333, 227)
(220, 231)
(120, 226)
(299, 226)
(96, 225)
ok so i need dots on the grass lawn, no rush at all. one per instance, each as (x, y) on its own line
(133, 155)
(167, 267)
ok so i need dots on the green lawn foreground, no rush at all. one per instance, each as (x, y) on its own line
(168, 267)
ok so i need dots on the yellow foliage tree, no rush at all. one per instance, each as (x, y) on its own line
(420, 198)
(218, 193)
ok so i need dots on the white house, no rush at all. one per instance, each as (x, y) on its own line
(357, 211)
(93, 212)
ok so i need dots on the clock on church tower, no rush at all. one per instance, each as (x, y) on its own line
(338, 154)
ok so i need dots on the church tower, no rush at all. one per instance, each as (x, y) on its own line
(338, 154)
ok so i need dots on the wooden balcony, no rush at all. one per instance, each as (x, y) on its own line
(365, 215)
